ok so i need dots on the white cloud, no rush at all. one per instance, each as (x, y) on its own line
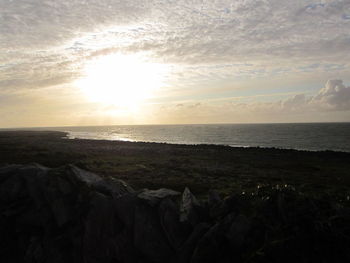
(197, 32)
(334, 96)
(332, 101)
(212, 45)
(294, 103)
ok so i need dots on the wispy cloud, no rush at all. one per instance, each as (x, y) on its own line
(210, 45)
(329, 101)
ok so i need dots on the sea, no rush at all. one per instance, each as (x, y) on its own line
(299, 136)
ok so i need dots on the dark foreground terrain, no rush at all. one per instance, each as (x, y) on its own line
(68, 215)
(252, 205)
(200, 168)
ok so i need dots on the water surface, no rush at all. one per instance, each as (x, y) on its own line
(300, 136)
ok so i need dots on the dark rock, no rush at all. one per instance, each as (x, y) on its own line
(71, 215)
(85, 177)
(213, 198)
(113, 187)
(101, 226)
(214, 204)
(125, 209)
(176, 231)
(214, 245)
(149, 237)
(153, 197)
(238, 231)
(189, 208)
(123, 249)
(186, 251)
(208, 248)
(34, 252)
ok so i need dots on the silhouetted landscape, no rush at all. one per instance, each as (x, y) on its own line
(174, 131)
(199, 167)
(103, 201)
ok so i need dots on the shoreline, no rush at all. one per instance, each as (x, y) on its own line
(200, 167)
(205, 144)
(296, 136)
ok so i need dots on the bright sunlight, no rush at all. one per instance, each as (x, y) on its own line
(121, 80)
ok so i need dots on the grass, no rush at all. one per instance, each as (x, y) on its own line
(201, 168)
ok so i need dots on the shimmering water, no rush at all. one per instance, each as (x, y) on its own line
(301, 136)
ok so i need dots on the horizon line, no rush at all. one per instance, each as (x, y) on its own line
(169, 124)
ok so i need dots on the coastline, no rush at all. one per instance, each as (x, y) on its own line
(72, 137)
(200, 167)
(307, 136)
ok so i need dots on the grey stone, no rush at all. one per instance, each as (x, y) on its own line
(125, 208)
(176, 231)
(153, 197)
(185, 254)
(101, 226)
(239, 230)
(86, 177)
(213, 245)
(149, 237)
(189, 208)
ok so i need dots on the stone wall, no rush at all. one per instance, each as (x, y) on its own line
(71, 215)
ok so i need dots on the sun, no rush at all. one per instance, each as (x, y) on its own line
(121, 80)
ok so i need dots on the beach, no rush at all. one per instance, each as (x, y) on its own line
(199, 167)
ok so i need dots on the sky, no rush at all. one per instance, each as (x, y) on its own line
(106, 62)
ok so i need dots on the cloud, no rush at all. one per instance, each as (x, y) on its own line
(334, 96)
(199, 32)
(35, 23)
(294, 103)
(212, 47)
(332, 101)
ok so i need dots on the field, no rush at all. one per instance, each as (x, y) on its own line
(199, 167)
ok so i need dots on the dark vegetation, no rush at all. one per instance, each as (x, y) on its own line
(200, 167)
(270, 205)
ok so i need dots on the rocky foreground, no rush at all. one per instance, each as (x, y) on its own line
(71, 215)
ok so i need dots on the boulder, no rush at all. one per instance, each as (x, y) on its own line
(213, 198)
(125, 209)
(67, 214)
(176, 231)
(149, 237)
(189, 210)
(214, 246)
(101, 227)
(186, 251)
(238, 231)
(153, 197)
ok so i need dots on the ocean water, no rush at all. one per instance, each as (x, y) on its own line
(300, 136)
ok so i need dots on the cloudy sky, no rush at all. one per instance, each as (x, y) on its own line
(98, 62)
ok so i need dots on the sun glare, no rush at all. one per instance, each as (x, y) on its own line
(121, 80)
